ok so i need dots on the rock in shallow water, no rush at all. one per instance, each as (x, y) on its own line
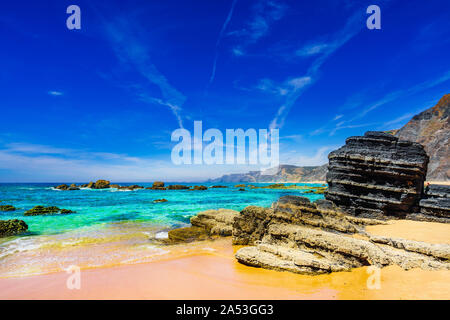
(377, 176)
(12, 227)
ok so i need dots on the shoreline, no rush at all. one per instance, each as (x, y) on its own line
(208, 270)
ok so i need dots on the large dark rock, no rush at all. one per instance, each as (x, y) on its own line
(377, 175)
(12, 227)
(435, 205)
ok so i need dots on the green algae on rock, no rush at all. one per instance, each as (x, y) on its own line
(12, 227)
(42, 211)
(7, 208)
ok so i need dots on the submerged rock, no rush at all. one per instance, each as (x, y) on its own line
(299, 236)
(215, 187)
(178, 187)
(377, 175)
(12, 227)
(200, 188)
(131, 188)
(160, 200)
(42, 211)
(7, 208)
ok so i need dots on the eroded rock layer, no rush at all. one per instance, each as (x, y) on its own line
(435, 205)
(312, 238)
(206, 224)
(377, 175)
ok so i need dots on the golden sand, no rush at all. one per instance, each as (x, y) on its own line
(208, 270)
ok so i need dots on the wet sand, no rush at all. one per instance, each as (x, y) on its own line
(209, 271)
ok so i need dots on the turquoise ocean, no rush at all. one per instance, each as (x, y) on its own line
(110, 226)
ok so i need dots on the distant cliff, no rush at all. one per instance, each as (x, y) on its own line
(282, 173)
(431, 128)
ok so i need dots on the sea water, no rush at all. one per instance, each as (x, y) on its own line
(110, 226)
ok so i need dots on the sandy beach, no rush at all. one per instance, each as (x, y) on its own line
(208, 270)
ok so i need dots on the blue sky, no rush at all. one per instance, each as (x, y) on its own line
(102, 102)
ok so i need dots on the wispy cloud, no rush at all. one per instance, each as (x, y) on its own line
(219, 39)
(55, 93)
(324, 51)
(300, 159)
(133, 52)
(264, 14)
(285, 88)
(388, 98)
(311, 50)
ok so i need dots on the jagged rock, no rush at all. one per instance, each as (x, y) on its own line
(216, 222)
(205, 225)
(251, 224)
(12, 227)
(377, 176)
(299, 236)
(431, 128)
(7, 208)
(91, 185)
(101, 184)
(158, 184)
(178, 187)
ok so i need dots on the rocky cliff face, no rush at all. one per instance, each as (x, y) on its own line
(312, 238)
(282, 173)
(431, 128)
(377, 175)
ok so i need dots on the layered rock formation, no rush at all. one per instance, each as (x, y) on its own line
(205, 225)
(311, 238)
(431, 128)
(435, 205)
(377, 176)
